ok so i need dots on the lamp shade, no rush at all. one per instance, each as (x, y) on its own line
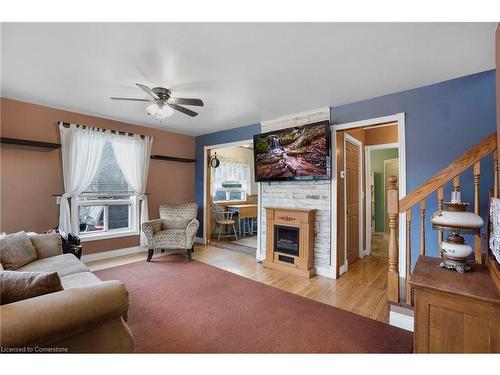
(160, 110)
(457, 219)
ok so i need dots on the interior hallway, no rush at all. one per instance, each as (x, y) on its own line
(362, 290)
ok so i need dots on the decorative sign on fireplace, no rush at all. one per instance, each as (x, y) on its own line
(290, 240)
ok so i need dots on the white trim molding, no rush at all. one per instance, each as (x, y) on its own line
(112, 253)
(401, 320)
(329, 272)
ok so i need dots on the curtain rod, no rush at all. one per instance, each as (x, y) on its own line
(67, 124)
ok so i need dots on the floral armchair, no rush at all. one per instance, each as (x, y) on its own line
(175, 229)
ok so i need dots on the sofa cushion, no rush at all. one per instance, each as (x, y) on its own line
(16, 250)
(17, 286)
(47, 245)
(79, 279)
(66, 264)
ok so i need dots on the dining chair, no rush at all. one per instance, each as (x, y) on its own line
(224, 220)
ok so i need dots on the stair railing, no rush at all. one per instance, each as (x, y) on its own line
(436, 183)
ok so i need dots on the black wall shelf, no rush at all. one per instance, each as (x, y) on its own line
(53, 146)
(29, 143)
(172, 158)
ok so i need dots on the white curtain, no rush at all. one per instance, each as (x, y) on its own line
(133, 155)
(81, 150)
(231, 170)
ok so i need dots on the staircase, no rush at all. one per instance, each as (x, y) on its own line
(398, 287)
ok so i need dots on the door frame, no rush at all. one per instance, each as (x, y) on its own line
(206, 149)
(368, 209)
(359, 145)
(400, 119)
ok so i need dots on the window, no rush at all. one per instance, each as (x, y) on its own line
(108, 208)
(230, 181)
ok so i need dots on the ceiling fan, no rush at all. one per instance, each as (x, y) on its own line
(163, 104)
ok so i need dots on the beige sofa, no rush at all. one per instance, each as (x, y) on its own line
(88, 316)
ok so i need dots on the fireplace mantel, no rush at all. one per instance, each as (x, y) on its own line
(302, 219)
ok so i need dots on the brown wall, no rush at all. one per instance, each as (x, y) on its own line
(381, 135)
(30, 176)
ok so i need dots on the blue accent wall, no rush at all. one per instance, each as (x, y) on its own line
(442, 122)
(220, 137)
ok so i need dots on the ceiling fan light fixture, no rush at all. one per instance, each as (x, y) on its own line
(160, 110)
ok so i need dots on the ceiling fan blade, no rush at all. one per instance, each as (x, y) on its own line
(133, 99)
(183, 110)
(148, 91)
(186, 101)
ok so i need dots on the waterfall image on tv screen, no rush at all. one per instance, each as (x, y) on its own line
(299, 153)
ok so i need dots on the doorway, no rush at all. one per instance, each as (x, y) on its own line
(356, 233)
(231, 198)
(382, 161)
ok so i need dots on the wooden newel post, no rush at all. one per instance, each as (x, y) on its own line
(393, 211)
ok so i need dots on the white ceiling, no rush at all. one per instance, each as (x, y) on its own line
(245, 72)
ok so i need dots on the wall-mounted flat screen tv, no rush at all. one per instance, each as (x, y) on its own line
(298, 153)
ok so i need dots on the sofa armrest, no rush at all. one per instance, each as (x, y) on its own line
(191, 230)
(56, 316)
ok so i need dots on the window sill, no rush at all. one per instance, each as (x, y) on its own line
(107, 235)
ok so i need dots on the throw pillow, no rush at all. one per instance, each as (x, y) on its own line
(46, 245)
(16, 250)
(16, 285)
(175, 223)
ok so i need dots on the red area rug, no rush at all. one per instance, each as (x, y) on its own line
(181, 307)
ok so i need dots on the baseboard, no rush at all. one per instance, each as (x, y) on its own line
(112, 254)
(199, 240)
(343, 269)
(326, 272)
(401, 320)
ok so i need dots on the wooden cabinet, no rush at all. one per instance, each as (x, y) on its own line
(454, 313)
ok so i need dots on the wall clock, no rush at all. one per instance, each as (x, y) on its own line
(214, 161)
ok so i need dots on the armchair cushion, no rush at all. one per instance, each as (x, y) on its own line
(174, 224)
(17, 286)
(16, 250)
(170, 239)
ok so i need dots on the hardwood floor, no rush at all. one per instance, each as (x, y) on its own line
(380, 245)
(362, 290)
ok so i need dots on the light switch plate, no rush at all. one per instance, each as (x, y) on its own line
(342, 174)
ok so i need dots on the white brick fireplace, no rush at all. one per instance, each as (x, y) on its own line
(301, 194)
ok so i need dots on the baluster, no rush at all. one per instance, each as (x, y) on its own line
(495, 172)
(393, 211)
(440, 195)
(408, 256)
(477, 237)
(422, 227)
(456, 183)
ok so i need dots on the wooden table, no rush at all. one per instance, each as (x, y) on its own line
(454, 312)
(245, 211)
